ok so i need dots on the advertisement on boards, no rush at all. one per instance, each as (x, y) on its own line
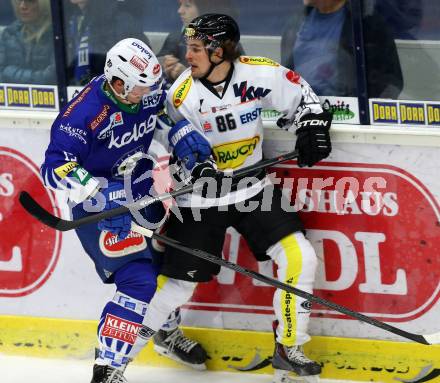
(375, 229)
(29, 249)
(29, 97)
(371, 213)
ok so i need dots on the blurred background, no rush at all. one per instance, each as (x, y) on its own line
(360, 48)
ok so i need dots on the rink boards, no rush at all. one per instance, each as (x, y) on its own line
(378, 250)
(233, 350)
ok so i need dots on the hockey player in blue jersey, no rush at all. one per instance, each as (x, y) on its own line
(99, 152)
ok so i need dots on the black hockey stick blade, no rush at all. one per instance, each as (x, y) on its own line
(423, 339)
(44, 216)
(41, 214)
(37, 211)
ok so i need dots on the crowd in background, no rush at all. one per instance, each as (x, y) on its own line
(26, 44)
(315, 38)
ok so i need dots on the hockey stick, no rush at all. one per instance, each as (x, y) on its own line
(424, 339)
(36, 210)
(52, 221)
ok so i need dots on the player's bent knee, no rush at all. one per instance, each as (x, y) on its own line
(137, 280)
(174, 290)
(307, 251)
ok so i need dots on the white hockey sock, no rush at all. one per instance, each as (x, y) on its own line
(170, 294)
(297, 261)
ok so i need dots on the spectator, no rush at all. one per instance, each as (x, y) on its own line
(7, 13)
(319, 45)
(93, 27)
(172, 53)
(402, 16)
(26, 46)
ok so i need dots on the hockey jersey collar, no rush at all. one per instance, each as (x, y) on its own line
(211, 85)
(129, 108)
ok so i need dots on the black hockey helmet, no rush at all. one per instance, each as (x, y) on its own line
(213, 29)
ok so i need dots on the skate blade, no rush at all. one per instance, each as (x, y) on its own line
(283, 376)
(164, 351)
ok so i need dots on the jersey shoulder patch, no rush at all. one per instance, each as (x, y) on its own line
(77, 101)
(181, 91)
(256, 60)
(87, 103)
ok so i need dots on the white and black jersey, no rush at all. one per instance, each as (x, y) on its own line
(229, 113)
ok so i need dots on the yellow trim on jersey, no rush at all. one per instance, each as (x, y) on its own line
(255, 60)
(181, 91)
(233, 154)
(63, 170)
(161, 280)
(288, 301)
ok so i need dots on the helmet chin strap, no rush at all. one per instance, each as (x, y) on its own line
(123, 97)
(213, 64)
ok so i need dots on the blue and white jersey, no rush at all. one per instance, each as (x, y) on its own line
(107, 139)
(104, 137)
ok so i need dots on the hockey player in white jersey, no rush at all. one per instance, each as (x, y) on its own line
(222, 94)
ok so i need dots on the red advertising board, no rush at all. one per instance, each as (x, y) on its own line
(376, 231)
(29, 250)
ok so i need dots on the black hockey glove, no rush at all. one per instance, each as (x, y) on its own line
(182, 175)
(205, 170)
(313, 138)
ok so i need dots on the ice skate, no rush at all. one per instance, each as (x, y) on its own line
(281, 376)
(107, 374)
(287, 359)
(174, 345)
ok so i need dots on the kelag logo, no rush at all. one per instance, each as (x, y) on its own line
(376, 232)
(29, 250)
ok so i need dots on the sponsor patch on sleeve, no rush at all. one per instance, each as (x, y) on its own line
(293, 77)
(255, 60)
(63, 170)
(79, 99)
(181, 91)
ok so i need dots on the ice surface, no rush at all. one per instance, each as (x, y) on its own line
(18, 369)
